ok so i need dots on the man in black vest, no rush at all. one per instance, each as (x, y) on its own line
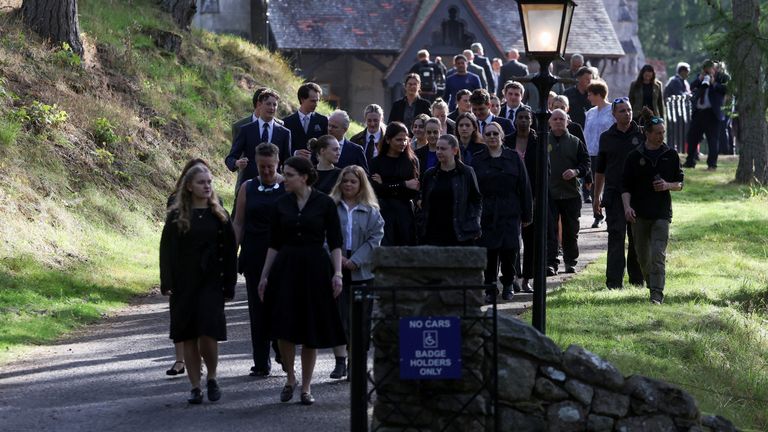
(305, 123)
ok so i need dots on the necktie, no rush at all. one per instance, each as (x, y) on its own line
(482, 126)
(305, 123)
(371, 144)
(265, 133)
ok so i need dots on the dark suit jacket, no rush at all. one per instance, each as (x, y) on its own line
(240, 123)
(359, 139)
(397, 113)
(451, 129)
(506, 125)
(485, 63)
(318, 126)
(716, 95)
(245, 145)
(512, 68)
(352, 154)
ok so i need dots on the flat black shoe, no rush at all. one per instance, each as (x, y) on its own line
(195, 396)
(307, 399)
(214, 392)
(287, 393)
(259, 372)
(507, 295)
(340, 371)
(570, 269)
(526, 287)
(551, 271)
(516, 287)
(596, 223)
(173, 371)
(489, 298)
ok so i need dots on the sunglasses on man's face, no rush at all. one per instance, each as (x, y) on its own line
(489, 134)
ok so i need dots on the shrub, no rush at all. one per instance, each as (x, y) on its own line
(66, 57)
(39, 116)
(104, 132)
(9, 131)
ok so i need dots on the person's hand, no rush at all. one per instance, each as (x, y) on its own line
(569, 174)
(629, 214)
(336, 283)
(412, 184)
(377, 178)
(660, 185)
(303, 153)
(262, 288)
(349, 265)
(344, 261)
(241, 163)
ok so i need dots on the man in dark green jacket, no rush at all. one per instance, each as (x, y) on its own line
(650, 172)
(569, 160)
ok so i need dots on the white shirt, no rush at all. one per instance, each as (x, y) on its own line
(596, 122)
(269, 131)
(348, 227)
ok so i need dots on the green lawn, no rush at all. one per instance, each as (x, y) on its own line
(711, 335)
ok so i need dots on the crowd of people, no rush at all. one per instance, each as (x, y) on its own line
(457, 170)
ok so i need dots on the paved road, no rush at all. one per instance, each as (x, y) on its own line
(110, 377)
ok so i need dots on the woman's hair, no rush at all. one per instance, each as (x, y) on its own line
(187, 166)
(422, 117)
(563, 99)
(454, 143)
(317, 144)
(598, 87)
(304, 167)
(476, 134)
(394, 129)
(644, 69)
(439, 103)
(365, 195)
(434, 120)
(266, 149)
(182, 205)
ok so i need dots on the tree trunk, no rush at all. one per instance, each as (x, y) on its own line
(55, 20)
(745, 59)
(181, 10)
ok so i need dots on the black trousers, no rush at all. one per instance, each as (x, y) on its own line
(618, 230)
(504, 257)
(703, 122)
(258, 316)
(528, 239)
(568, 210)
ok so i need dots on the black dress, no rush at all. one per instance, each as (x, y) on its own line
(199, 267)
(439, 230)
(395, 198)
(299, 294)
(326, 180)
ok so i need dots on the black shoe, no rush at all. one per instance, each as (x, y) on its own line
(307, 399)
(597, 222)
(526, 287)
(570, 269)
(173, 371)
(214, 392)
(195, 396)
(259, 372)
(516, 287)
(340, 371)
(588, 200)
(507, 294)
(551, 271)
(657, 297)
(287, 393)
(689, 165)
(614, 287)
(639, 283)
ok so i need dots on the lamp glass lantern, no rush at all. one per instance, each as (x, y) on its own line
(546, 24)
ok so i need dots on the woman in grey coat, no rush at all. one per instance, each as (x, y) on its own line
(362, 228)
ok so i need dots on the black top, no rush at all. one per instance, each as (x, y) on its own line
(615, 145)
(640, 171)
(260, 200)
(440, 230)
(648, 95)
(578, 105)
(468, 151)
(394, 171)
(327, 179)
(400, 110)
(317, 222)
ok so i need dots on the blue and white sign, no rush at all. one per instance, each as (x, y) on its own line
(430, 348)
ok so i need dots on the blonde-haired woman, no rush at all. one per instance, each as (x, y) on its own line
(362, 228)
(198, 269)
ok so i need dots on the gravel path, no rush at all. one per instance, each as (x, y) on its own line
(111, 376)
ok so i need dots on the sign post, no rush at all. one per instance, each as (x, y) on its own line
(430, 348)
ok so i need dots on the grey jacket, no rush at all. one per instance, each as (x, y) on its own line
(367, 232)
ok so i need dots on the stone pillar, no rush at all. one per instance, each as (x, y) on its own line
(424, 403)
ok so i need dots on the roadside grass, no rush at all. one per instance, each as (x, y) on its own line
(711, 335)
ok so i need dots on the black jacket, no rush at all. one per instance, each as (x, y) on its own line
(420, 106)
(640, 170)
(467, 201)
(317, 127)
(615, 145)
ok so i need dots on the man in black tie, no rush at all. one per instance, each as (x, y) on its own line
(264, 129)
(305, 123)
(481, 108)
(369, 138)
(351, 153)
(513, 96)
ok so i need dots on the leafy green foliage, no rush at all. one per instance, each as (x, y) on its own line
(104, 132)
(9, 132)
(66, 57)
(40, 117)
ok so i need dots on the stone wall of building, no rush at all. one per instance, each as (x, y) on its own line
(541, 387)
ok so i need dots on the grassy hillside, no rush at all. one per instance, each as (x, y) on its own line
(91, 147)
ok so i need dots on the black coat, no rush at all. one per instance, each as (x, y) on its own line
(530, 156)
(318, 126)
(245, 145)
(467, 202)
(508, 71)
(485, 63)
(507, 198)
(352, 154)
(640, 170)
(397, 113)
(359, 139)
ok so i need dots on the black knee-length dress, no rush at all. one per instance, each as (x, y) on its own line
(199, 268)
(299, 293)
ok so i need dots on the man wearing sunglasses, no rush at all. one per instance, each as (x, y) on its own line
(614, 146)
(651, 171)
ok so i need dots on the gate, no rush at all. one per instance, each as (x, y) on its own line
(678, 109)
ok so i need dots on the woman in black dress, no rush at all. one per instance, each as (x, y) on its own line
(300, 281)
(395, 173)
(255, 202)
(469, 136)
(327, 150)
(198, 269)
(507, 201)
(450, 199)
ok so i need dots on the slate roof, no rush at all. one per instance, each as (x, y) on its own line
(385, 25)
(349, 25)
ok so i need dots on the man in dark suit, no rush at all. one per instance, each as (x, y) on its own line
(305, 123)
(577, 96)
(370, 137)
(513, 68)
(411, 105)
(351, 153)
(513, 100)
(707, 101)
(462, 104)
(242, 156)
(481, 108)
(485, 63)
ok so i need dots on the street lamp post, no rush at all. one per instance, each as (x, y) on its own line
(546, 24)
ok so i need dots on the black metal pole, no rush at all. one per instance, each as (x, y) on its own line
(358, 361)
(544, 82)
